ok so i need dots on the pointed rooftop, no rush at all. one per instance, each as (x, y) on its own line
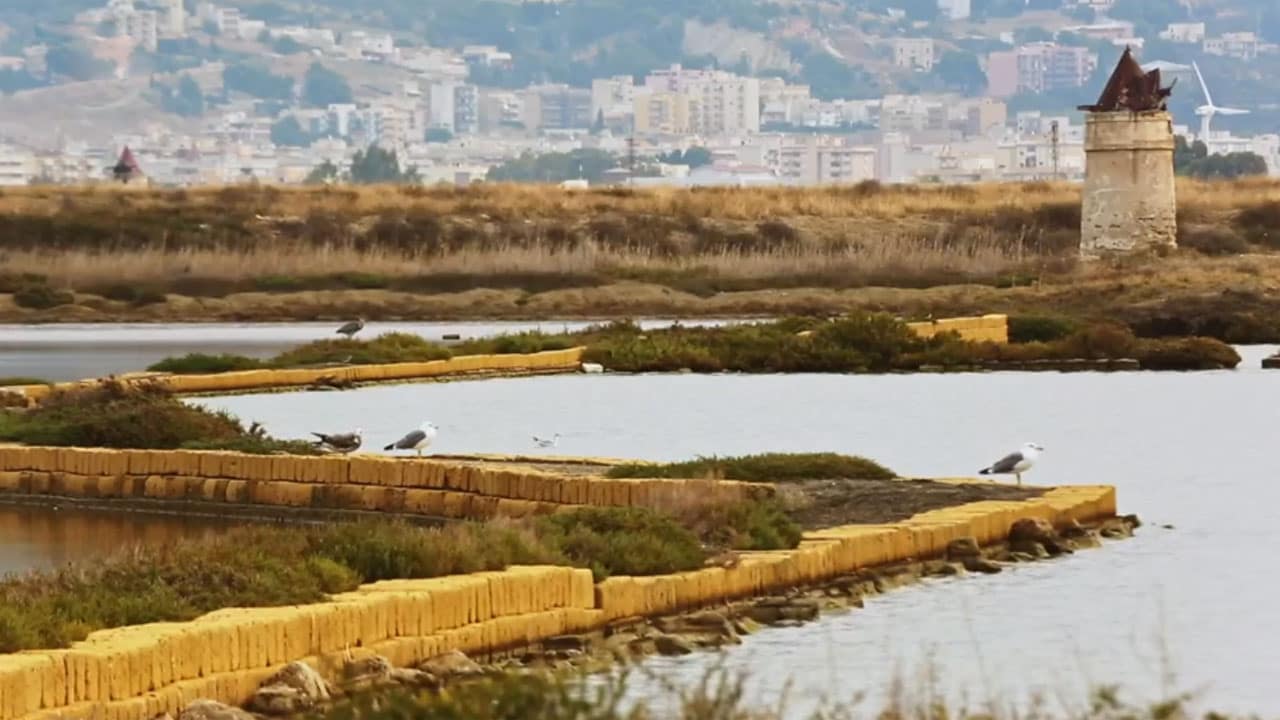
(1131, 88)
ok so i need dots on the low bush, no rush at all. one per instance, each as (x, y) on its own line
(1039, 328)
(13, 282)
(622, 541)
(516, 343)
(132, 294)
(749, 525)
(42, 297)
(387, 348)
(114, 415)
(20, 380)
(1194, 353)
(767, 467)
(1212, 240)
(201, 363)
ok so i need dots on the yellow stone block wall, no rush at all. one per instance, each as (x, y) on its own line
(987, 328)
(137, 672)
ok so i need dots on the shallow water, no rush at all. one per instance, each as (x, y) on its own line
(76, 351)
(1190, 450)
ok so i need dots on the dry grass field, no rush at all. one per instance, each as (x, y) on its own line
(270, 252)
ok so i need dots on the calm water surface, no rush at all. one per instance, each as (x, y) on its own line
(1194, 451)
(75, 351)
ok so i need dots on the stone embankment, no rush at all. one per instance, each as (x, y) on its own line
(244, 656)
(987, 328)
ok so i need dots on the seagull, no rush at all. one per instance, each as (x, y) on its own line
(545, 443)
(417, 440)
(344, 443)
(351, 328)
(1015, 463)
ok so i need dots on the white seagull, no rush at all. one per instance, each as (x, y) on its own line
(418, 440)
(545, 443)
(344, 443)
(1015, 463)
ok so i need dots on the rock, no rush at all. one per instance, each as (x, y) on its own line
(981, 565)
(964, 547)
(1030, 548)
(211, 710)
(1115, 529)
(672, 645)
(1087, 539)
(280, 700)
(562, 643)
(410, 677)
(368, 671)
(1032, 529)
(302, 677)
(746, 626)
(1022, 557)
(800, 610)
(941, 568)
(592, 368)
(451, 665)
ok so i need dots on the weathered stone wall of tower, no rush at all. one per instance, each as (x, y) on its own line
(1129, 198)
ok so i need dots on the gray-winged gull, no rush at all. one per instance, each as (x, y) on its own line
(1015, 463)
(351, 328)
(547, 443)
(417, 440)
(342, 442)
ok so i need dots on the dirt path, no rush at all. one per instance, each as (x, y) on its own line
(827, 503)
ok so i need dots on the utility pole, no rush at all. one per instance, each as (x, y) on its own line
(631, 160)
(1053, 132)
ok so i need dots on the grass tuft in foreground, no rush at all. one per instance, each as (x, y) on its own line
(766, 467)
(258, 565)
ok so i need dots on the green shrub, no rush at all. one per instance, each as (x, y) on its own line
(521, 343)
(201, 363)
(387, 348)
(42, 297)
(20, 380)
(1039, 328)
(750, 525)
(622, 541)
(278, 283)
(133, 294)
(362, 281)
(767, 467)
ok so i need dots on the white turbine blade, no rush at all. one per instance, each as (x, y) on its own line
(1207, 98)
(1231, 111)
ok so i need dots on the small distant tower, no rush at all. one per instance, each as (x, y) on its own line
(126, 169)
(1129, 201)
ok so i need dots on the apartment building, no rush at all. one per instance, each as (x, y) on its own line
(955, 9)
(1191, 33)
(1239, 45)
(454, 107)
(17, 166)
(1037, 68)
(613, 99)
(663, 113)
(556, 107)
(913, 53)
(721, 102)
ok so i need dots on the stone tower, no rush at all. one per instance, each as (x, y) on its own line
(1129, 202)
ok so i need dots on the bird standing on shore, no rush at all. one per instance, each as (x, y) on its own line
(418, 440)
(343, 443)
(547, 443)
(1015, 463)
(351, 328)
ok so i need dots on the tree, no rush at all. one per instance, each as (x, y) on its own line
(961, 72)
(583, 163)
(187, 101)
(323, 87)
(288, 132)
(77, 64)
(438, 135)
(286, 45)
(693, 157)
(376, 165)
(257, 81)
(598, 127)
(1194, 160)
(325, 172)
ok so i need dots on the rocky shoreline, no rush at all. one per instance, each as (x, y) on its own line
(300, 689)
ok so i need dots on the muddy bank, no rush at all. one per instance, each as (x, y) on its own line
(826, 503)
(1235, 300)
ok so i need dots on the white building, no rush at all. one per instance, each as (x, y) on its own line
(1184, 33)
(721, 102)
(455, 107)
(17, 166)
(955, 9)
(913, 53)
(1239, 45)
(612, 99)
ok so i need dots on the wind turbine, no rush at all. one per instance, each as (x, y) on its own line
(1208, 110)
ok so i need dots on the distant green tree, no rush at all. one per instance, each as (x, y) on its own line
(288, 132)
(830, 79)
(257, 81)
(323, 87)
(584, 163)
(693, 157)
(325, 172)
(438, 135)
(598, 127)
(960, 71)
(187, 100)
(1194, 160)
(376, 165)
(77, 63)
(286, 45)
